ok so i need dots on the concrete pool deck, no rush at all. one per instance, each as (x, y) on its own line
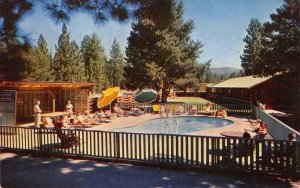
(240, 123)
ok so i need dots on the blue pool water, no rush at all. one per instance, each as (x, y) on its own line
(177, 125)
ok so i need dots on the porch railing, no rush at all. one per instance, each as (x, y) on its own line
(234, 154)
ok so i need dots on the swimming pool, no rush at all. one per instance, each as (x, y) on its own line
(177, 125)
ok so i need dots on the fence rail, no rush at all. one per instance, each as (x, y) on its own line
(267, 156)
(276, 128)
(232, 109)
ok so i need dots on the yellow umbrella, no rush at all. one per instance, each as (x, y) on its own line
(107, 96)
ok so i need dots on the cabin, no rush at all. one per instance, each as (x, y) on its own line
(203, 87)
(271, 92)
(17, 98)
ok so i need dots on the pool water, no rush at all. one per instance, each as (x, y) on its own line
(177, 125)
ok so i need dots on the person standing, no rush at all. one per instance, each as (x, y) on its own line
(37, 114)
(69, 107)
(260, 105)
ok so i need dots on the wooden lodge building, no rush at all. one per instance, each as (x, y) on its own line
(270, 91)
(17, 98)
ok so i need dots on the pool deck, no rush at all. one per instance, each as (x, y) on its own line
(240, 123)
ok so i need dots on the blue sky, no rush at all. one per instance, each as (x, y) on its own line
(219, 24)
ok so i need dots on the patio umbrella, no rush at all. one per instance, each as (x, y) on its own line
(107, 96)
(146, 96)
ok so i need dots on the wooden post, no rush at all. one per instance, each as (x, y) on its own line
(53, 104)
(16, 106)
(89, 99)
(53, 100)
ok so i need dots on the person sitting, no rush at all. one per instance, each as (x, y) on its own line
(286, 151)
(100, 114)
(192, 109)
(69, 107)
(60, 123)
(179, 109)
(68, 138)
(246, 135)
(70, 119)
(45, 123)
(207, 109)
(79, 119)
(244, 148)
(288, 146)
(260, 105)
(292, 136)
(135, 112)
(118, 110)
(254, 127)
(261, 133)
(221, 112)
(161, 109)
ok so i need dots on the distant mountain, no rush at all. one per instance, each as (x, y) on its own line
(224, 70)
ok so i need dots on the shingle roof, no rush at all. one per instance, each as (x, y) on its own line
(241, 82)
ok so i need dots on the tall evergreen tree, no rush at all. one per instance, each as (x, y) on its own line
(13, 60)
(282, 40)
(160, 49)
(252, 56)
(77, 72)
(115, 65)
(68, 62)
(94, 60)
(39, 62)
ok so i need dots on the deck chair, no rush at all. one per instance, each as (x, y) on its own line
(67, 139)
(155, 108)
(172, 109)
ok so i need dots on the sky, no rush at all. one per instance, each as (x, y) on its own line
(220, 25)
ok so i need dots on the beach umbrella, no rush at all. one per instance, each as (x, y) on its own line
(107, 96)
(146, 96)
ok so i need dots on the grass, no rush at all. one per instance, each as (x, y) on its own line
(191, 100)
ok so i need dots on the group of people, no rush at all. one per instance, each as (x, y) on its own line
(221, 112)
(171, 109)
(69, 120)
(257, 130)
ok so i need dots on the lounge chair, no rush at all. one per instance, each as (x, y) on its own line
(67, 138)
(207, 110)
(119, 111)
(156, 108)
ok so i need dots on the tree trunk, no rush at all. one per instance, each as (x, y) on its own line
(165, 93)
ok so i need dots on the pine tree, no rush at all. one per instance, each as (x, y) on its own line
(77, 73)
(68, 62)
(160, 49)
(115, 65)
(94, 60)
(282, 40)
(252, 56)
(39, 62)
